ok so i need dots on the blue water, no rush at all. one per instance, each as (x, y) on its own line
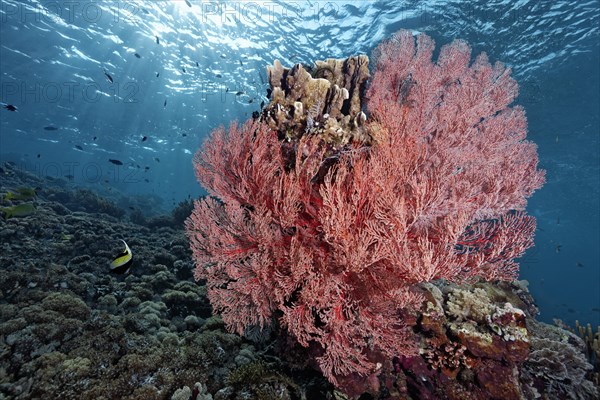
(54, 56)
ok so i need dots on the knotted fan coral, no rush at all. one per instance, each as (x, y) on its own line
(323, 219)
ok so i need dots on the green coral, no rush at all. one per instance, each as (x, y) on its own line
(67, 305)
(263, 381)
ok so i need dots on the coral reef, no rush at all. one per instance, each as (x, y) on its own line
(328, 233)
(69, 329)
(175, 220)
(308, 254)
(84, 200)
(480, 341)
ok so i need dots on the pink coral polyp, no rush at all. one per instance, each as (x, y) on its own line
(438, 193)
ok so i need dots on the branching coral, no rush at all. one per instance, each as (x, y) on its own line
(329, 235)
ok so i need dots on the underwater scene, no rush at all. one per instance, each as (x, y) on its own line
(219, 200)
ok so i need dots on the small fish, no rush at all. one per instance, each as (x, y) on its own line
(197, 65)
(116, 162)
(66, 238)
(144, 138)
(21, 210)
(95, 137)
(580, 265)
(146, 168)
(240, 93)
(184, 134)
(241, 63)
(78, 147)
(188, 3)
(157, 74)
(218, 75)
(223, 56)
(122, 262)
(558, 248)
(146, 180)
(250, 101)
(39, 155)
(9, 107)
(183, 69)
(110, 78)
(165, 103)
(137, 55)
(157, 159)
(50, 128)
(21, 193)
(157, 40)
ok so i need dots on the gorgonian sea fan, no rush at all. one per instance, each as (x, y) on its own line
(439, 193)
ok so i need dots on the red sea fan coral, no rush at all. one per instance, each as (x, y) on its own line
(439, 193)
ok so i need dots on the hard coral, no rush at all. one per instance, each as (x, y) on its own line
(557, 366)
(329, 235)
(327, 102)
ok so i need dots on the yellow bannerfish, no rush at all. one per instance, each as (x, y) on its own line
(122, 263)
